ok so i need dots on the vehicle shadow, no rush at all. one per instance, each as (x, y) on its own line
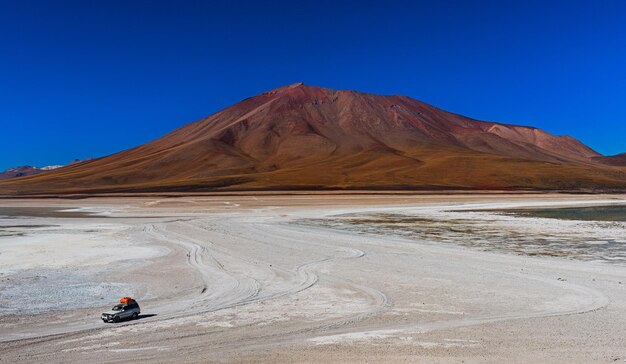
(146, 316)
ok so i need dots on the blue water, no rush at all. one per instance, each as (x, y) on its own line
(592, 213)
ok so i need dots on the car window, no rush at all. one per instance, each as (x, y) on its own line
(117, 308)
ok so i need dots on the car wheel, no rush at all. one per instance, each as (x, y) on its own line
(135, 315)
(116, 319)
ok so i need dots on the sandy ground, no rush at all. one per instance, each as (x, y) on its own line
(241, 279)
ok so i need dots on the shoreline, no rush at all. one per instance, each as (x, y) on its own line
(309, 192)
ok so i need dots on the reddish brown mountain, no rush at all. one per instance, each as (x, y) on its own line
(614, 160)
(20, 171)
(301, 136)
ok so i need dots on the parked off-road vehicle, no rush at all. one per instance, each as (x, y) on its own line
(122, 311)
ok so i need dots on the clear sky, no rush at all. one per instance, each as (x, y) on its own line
(84, 79)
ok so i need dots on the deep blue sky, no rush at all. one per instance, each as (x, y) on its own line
(84, 79)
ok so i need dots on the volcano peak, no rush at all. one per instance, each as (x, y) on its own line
(300, 136)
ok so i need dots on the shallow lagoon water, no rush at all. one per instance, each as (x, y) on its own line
(589, 213)
(492, 235)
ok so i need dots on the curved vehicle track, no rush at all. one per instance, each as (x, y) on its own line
(272, 283)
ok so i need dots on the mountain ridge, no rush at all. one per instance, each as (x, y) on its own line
(300, 136)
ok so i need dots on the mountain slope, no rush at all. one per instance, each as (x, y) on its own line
(614, 160)
(19, 172)
(22, 171)
(300, 136)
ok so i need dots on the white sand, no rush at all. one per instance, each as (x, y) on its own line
(233, 279)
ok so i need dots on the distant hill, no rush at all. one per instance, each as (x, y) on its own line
(23, 171)
(306, 137)
(614, 160)
(19, 172)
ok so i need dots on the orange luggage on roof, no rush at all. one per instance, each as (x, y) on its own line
(125, 300)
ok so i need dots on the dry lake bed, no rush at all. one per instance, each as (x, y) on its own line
(316, 278)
